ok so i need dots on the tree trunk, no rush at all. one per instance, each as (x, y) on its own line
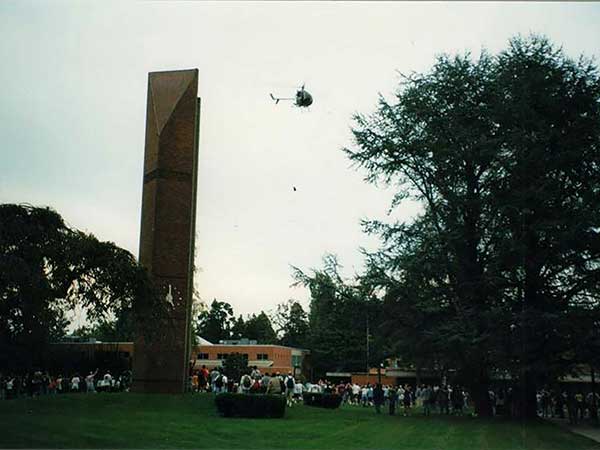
(594, 405)
(523, 399)
(527, 400)
(481, 396)
(481, 400)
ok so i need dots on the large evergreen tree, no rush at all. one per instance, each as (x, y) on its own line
(259, 328)
(504, 154)
(214, 324)
(292, 325)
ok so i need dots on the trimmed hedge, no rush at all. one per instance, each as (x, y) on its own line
(330, 401)
(250, 405)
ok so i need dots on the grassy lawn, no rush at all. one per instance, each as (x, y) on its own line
(156, 421)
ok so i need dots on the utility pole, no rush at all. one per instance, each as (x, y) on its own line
(367, 346)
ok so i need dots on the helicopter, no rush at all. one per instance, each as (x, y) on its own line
(303, 99)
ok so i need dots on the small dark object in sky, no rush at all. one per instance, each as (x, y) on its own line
(294, 188)
(303, 99)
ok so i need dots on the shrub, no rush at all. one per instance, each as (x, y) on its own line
(330, 401)
(250, 405)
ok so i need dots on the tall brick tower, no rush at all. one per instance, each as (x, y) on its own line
(168, 224)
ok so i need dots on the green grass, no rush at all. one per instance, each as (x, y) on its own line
(159, 421)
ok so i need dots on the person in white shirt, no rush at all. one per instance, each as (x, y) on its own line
(224, 387)
(290, 384)
(298, 391)
(89, 381)
(75, 383)
(355, 394)
(214, 374)
(256, 375)
(10, 384)
(364, 395)
(107, 382)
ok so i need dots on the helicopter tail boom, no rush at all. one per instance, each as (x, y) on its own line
(278, 99)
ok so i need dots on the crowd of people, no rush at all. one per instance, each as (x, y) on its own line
(576, 406)
(38, 383)
(426, 398)
(445, 399)
(251, 382)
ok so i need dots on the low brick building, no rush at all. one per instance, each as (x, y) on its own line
(268, 358)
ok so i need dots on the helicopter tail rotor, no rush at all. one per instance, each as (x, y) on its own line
(276, 100)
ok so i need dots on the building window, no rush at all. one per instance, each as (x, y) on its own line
(296, 361)
(262, 357)
(222, 355)
(202, 355)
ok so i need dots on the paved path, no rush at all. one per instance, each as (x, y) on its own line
(584, 429)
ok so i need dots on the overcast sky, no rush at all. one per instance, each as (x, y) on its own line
(73, 80)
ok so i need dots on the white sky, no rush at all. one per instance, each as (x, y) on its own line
(73, 81)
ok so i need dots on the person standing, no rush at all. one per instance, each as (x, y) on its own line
(281, 383)
(218, 384)
(274, 386)
(75, 383)
(392, 399)
(89, 382)
(214, 374)
(364, 395)
(51, 385)
(10, 387)
(579, 405)
(355, 394)
(572, 409)
(545, 401)
(203, 376)
(298, 391)
(427, 395)
(195, 381)
(407, 400)
(36, 384)
(561, 400)
(255, 373)
(264, 382)
(224, 383)
(378, 397)
(290, 383)
(444, 400)
(418, 397)
(245, 384)
(256, 387)
(370, 394)
(458, 400)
